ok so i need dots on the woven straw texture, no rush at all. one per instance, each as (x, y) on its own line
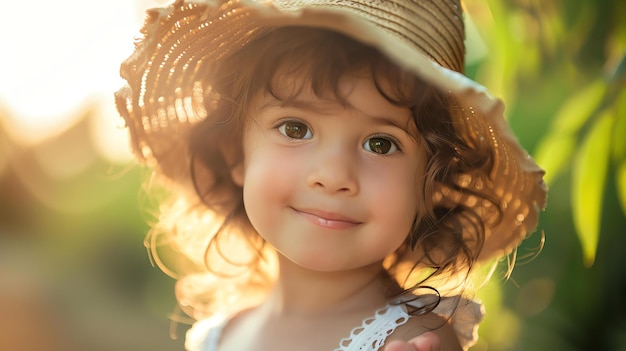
(167, 90)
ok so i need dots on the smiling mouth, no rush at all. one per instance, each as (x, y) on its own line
(328, 220)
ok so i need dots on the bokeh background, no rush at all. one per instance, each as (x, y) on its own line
(75, 275)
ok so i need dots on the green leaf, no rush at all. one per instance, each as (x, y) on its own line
(579, 108)
(621, 185)
(555, 149)
(589, 179)
(619, 149)
(553, 153)
(619, 145)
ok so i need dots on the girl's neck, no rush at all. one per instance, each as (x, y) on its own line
(314, 309)
(302, 291)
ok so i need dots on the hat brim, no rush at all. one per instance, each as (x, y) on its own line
(160, 101)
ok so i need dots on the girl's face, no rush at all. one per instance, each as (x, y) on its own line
(331, 187)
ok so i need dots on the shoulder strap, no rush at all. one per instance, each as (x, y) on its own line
(204, 335)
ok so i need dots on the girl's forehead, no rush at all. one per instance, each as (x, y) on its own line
(305, 88)
(345, 88)
(353, 91)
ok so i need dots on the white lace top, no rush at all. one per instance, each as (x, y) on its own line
(371, 334)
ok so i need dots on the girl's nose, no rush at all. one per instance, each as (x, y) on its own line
(334, 170)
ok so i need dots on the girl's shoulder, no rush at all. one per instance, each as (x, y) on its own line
(453, 316)
(464, 316)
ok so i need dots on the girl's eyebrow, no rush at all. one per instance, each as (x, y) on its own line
(388, 121)
(299, 104)
(407, 127)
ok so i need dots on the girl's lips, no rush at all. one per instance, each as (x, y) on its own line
(328, 219)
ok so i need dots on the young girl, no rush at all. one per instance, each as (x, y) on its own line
(335, 179)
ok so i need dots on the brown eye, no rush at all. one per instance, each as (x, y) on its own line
(295, 130)
(380, 145)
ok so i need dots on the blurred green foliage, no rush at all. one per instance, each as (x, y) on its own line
(561, 67)
(582, 46)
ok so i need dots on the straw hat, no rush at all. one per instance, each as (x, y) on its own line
(167, 93)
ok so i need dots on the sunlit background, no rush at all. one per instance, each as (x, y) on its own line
(74, 274)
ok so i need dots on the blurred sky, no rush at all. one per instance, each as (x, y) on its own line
(60, 56)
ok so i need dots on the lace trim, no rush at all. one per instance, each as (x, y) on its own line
(373, 332)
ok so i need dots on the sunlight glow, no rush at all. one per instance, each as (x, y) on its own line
(63, 57)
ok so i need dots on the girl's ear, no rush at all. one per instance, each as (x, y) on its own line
(237, 173)
(234, 159)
